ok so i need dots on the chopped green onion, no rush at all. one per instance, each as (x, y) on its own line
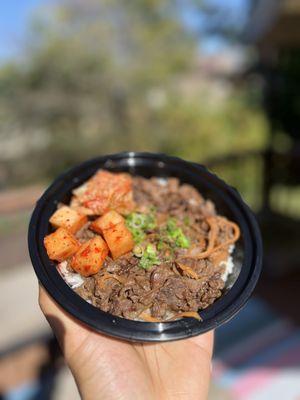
(149, 257)
(183, 242)
(171, 224)
(186, 220)
(160, 245)
(139, 223)
(151, 249)
(138, 235)
(138, 250)
(176, 235)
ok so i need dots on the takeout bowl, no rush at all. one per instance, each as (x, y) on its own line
(247, 256)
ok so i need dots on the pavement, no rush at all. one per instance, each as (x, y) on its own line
(22, 320)
(24, 331)
(21, 355)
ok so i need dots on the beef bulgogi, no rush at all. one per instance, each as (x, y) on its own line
(143, 249)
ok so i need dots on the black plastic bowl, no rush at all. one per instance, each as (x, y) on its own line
(239, 286)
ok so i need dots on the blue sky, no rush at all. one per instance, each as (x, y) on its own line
(15, 14)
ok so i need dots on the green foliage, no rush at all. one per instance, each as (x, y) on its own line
(100, 77)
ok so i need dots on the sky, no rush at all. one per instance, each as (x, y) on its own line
(238, 11)
(15, 15)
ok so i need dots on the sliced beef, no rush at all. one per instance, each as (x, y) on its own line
(124, 289)
(85, 233)
(159, 275)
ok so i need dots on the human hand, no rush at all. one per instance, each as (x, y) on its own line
(110, 369)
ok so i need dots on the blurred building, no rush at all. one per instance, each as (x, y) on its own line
(273, 28)
(274, 25)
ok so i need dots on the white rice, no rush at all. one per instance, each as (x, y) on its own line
(193, 202)
(228, 264)
(71, 278)
(161, 181)
(75, 280)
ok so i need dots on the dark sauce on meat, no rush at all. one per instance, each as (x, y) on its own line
(124, 289)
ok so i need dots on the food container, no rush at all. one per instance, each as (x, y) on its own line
(247, 256)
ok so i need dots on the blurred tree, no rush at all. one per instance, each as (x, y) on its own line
(105, 76)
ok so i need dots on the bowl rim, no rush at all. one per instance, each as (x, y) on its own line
(122, 328)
